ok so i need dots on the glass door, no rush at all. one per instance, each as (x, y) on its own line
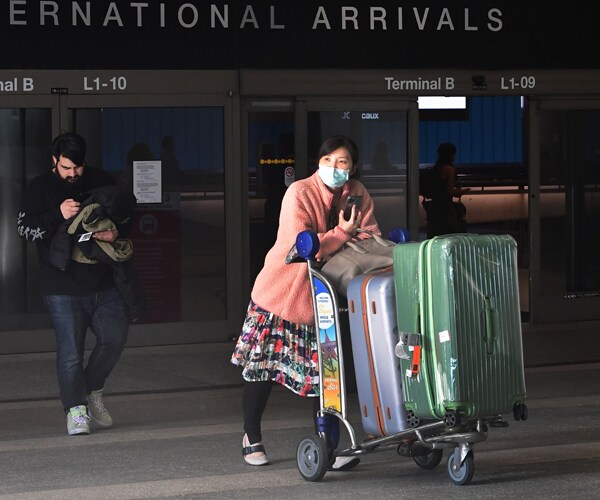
(270, 164)
(281, 138)
(565, 215)
(26, 131)
(388, 160)
(186, 256)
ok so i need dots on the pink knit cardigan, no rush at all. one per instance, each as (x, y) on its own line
(284, 289)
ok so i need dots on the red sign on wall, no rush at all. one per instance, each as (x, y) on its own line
(157, 261)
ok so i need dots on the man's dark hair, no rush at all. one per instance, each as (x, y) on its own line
(71, 146)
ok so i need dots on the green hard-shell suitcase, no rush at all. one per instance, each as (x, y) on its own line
(459, 321)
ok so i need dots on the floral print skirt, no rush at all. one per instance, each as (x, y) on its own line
(271, 348)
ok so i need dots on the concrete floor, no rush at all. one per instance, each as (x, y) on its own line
(178, 426)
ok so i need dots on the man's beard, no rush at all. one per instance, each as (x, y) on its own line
(71, 180)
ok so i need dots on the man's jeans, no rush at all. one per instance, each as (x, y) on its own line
(106, 314)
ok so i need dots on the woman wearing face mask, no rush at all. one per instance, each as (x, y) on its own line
(278, 339)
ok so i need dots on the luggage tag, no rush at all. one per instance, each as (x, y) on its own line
(416, 361)
(413, 342)
(85, 237)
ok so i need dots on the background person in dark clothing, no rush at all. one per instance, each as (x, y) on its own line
(439, 188)
(82, 295)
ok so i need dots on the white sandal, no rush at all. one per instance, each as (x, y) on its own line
(257, 449)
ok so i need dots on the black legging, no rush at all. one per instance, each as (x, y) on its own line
(254, 401)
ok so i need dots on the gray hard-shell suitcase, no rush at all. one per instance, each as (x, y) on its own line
(374, 333)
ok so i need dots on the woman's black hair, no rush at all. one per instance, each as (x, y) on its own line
(341, 141)
(71, 146)
(446, 152)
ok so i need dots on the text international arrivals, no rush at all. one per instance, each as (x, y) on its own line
(191, 14)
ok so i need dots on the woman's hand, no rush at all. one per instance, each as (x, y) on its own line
(351, 225)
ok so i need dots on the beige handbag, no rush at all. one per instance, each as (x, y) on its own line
(358, 257)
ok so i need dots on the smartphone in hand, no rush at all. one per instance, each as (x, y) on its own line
(353, 200)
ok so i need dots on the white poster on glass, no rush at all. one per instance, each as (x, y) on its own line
(147, 184)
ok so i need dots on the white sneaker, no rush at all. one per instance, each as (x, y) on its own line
(78, 421)
(344, 463)
(97, 411)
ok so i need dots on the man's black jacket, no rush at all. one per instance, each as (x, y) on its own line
(103, 208)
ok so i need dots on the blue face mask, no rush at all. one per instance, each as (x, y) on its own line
(333, 177)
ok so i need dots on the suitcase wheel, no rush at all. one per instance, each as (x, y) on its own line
(520, 412)
(451, 418)
(313, 458)
(412, 420)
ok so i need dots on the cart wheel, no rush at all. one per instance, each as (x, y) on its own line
(461, 474)
(429, 461)
(312, 457)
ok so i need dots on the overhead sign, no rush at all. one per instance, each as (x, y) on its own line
(488, 34)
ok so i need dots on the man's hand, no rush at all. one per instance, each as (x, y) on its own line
(69, 208)
(110, 235)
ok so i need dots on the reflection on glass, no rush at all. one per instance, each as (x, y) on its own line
(381, 140)
(179, 243)
(25, 139)
(270, 155)
(570, 201)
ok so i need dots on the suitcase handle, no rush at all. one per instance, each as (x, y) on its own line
(490, 324)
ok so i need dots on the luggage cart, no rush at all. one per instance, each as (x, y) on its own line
(423, 441)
